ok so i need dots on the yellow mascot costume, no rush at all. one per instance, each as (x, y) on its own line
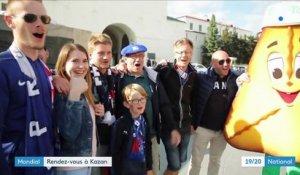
(265, 115)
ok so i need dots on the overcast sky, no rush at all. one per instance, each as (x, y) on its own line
(243, 14)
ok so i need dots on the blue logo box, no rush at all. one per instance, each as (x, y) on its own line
(29, 161)
(279, 161)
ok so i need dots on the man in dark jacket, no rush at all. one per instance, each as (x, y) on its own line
(179, 80)
(100, 50)
(158, 108)
(216, 89)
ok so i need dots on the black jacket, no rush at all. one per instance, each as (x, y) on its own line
(180, 95)
(205, 84)
(163, 121)
(122, 141)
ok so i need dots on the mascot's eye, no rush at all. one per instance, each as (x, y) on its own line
(277, 73)
(275, 65)
(297, 65)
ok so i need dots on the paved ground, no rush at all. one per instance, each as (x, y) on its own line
(230, 165)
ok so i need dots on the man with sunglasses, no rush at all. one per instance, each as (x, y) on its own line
(216, 89)
(25, 90)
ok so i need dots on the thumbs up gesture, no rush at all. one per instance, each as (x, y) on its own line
(78, 85)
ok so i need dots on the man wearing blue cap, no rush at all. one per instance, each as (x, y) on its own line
(157, 101)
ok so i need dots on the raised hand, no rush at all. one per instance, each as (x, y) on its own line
(78, 85)
(244, 77)
(163, 62)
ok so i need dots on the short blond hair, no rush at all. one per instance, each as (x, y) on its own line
(129, 89)
(96, 39)
(183, 41)
(9, 9)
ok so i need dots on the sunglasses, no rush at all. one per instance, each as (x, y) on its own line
(221, 62)
(31, 18)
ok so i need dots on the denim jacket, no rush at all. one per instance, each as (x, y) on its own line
(74, 125)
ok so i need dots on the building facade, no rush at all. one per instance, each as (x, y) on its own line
(196, 29)
(125, 22)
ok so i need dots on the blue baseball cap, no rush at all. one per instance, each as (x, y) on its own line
(133, 48)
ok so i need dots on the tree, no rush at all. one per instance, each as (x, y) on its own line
(225, 38)
(239, 47)
(251, 43)
(211, 41)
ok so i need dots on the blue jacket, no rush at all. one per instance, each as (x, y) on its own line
(75, 126)
(13, 109)
(205, 84)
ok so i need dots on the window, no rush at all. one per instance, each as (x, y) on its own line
(200, 28)
(191, 26)
(3, 6)
(150, 62)
(151, 55)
